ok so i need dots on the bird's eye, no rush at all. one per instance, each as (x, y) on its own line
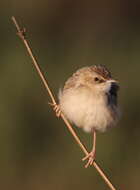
(96, 79)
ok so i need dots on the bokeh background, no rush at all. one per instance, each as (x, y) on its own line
(36, 150)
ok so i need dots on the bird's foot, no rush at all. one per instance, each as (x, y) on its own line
(56, 108)
(90, 157)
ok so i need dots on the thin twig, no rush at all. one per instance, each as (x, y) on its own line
(21, 34)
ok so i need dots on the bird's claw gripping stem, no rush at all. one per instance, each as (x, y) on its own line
(90, 157)
(56, 108)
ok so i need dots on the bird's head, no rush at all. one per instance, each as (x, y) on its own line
(99, 79)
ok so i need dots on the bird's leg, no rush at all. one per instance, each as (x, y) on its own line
(91, 155)
(56, 108)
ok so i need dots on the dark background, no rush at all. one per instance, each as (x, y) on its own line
(36, 150)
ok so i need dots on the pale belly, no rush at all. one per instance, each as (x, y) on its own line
(86, 111)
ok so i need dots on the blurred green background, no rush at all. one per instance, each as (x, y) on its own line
(36, 150)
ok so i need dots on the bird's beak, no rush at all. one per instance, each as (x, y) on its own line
(113, 81)
(114, 84)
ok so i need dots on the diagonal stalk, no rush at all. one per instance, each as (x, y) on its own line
(21, 34)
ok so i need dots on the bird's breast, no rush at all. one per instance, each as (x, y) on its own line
(85, 110)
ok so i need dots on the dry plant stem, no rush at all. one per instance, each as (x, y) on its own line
(22, 36)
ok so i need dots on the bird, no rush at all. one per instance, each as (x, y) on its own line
(89, 101)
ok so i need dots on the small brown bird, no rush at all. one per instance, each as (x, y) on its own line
(89, 100)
